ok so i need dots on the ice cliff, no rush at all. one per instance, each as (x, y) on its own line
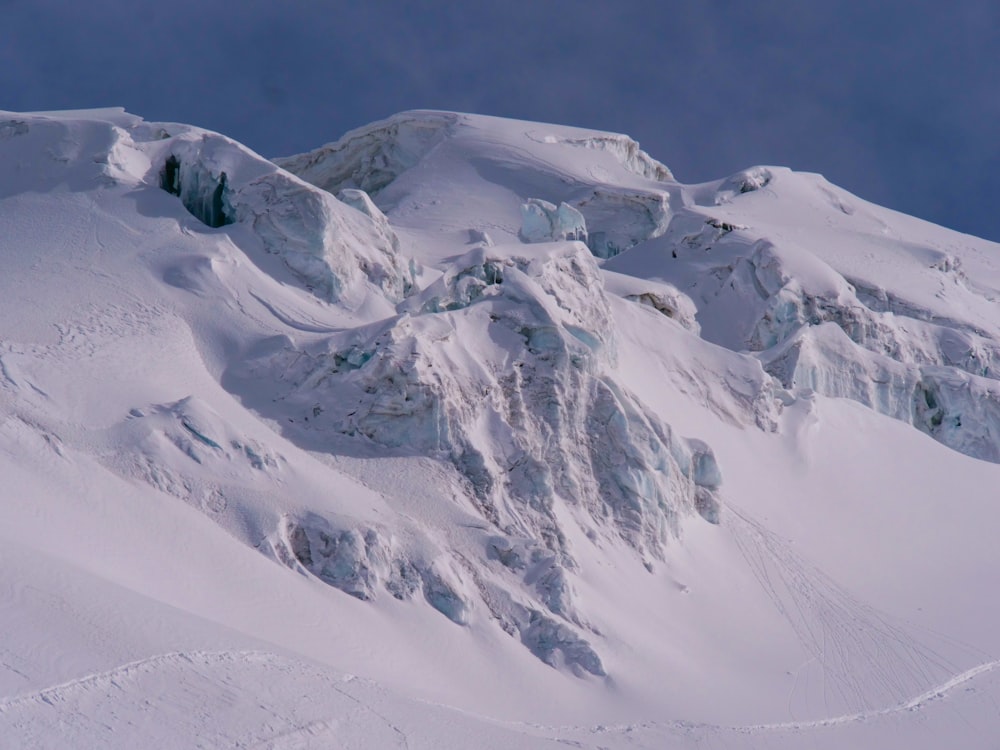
(505, 368)
(813, 282)
(531, 414)
(335, 251)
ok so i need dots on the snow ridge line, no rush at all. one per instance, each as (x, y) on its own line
(53, 693)
(687, 727)
(935, 693)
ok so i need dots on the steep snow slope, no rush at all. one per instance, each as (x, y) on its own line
(838, 296)
(540, 444)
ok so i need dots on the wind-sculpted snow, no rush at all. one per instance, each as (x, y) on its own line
(818, 318)
(193, 429)
(51, 153)
(612, 196)
(371, 157)
(742, 182)
(531, 416)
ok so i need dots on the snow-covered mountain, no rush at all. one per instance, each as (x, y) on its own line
(471, 432)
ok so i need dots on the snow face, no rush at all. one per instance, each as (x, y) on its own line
(556, 183)
(374, 455)
(334, 252)
(622, 219)
(812, 311)
(531, 417)
(541, 221)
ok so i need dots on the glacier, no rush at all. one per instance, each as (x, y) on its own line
(455, 414)
(818, 322)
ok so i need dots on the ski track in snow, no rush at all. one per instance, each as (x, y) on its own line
(57, 693)
(317, 730)
(289, 319)
(688, 731)
(939, 692)
(859, 650)
(116, 680)
(914, 704)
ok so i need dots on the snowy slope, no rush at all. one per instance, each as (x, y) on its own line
(465, 432)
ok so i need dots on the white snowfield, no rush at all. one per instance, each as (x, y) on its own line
(462, 432)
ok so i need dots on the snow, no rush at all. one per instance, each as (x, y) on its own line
(462, 431)
(542, 221)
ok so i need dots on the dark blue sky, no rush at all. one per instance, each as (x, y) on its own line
(898, 101)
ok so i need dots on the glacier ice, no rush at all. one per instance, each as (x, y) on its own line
(888, 356)
(555, 643)
(630, 202)
(817, 327)
(959, 409)
(542, 221)
(624, 149)
(535, 415)
(361, 562)
(335, 252)
(481, 461)
(531, 417)
(661, 296)
(371, 157)
(222, 183)
(620, 218)
(205, 195)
